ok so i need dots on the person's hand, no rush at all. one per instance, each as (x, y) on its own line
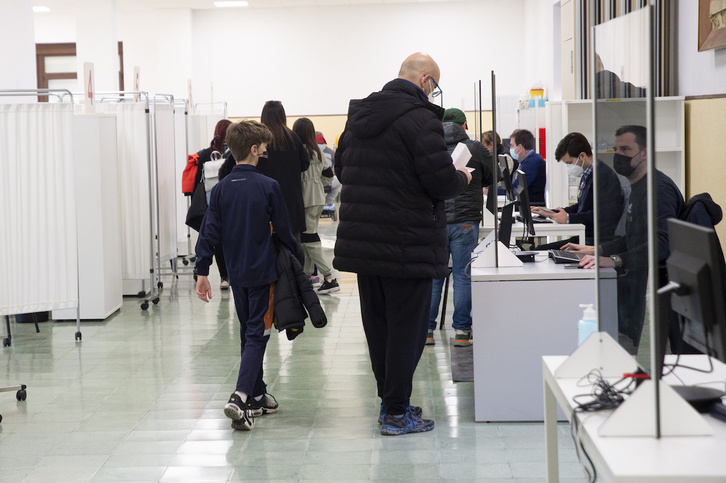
(559, 215)
(204, 290)
(467, 173)
(588, 261)
(582, 249)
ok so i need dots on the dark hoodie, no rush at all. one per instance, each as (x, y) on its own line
(396, 172)
(467, 207)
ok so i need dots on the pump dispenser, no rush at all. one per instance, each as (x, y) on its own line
(588, 324)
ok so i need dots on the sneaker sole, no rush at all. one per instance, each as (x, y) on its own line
(243, 424)
(430, 342)
(462, 343)
(387, 430)
(233, 412)
(330, 290)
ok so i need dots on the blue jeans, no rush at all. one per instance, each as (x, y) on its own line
(461, 239)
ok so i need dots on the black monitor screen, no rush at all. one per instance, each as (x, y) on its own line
(523, 197)
(696, 263)
(505, 176)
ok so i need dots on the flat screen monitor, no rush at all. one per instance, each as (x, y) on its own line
(695, 292)
(523, 198)
(696, 264)
(505, 176)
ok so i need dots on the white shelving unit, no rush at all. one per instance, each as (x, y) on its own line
(568, 116)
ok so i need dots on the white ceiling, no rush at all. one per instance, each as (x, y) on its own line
(69, 6)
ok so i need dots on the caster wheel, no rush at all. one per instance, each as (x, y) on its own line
(185, 261)
(21, 395)
(145, 306)
(156, 300)
(1, 419)
(141, 294)
(160, 284)
(6, 342)
(193, 259)
(195, 278)
(79, 336)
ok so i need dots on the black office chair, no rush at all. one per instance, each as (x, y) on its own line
(446, 296)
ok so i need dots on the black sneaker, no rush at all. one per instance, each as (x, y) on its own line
(409, 422)
(416, 410)
(266, 405)
(239, 412)
(329, 286)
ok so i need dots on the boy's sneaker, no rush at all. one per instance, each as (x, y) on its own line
(462, 338)
(266, 405)
(430, 338)
(239, 412)
(329, 286)
(415, 409)
(409, 422)
(225, 284)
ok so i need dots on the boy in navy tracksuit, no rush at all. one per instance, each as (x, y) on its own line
(240, 211)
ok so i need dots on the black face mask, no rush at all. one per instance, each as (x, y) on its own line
(621, 164)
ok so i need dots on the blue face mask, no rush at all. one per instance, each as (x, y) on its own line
(513, 154)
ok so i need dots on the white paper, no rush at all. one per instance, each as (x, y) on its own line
(461, 156)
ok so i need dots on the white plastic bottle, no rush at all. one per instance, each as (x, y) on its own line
(588, 324)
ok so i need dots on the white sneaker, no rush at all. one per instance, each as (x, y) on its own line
(224, 285)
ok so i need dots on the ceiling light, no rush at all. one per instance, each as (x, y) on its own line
(41, 9)
(230, 4)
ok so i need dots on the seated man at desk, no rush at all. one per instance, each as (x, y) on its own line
(575, 152)
(522, 149)
(629, 254)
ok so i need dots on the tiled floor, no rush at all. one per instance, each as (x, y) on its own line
(140, 399)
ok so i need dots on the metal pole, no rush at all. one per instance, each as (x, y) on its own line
(493, 188)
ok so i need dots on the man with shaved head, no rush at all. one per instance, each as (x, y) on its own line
(396, 173)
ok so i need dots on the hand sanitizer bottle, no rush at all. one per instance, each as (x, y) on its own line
(588, 324)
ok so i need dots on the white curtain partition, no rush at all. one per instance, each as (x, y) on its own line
(133, 169)
(180, 162)
(164, 123)
(38, 246)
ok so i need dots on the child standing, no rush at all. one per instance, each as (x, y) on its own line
(241, 208)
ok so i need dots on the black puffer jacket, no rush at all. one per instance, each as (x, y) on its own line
(295, 297)
(468, 205)
(396, 172)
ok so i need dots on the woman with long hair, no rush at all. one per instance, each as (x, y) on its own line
(313, 193)
(217, 144)
(286, 159)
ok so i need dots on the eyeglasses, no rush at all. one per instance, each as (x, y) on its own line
(436, 93)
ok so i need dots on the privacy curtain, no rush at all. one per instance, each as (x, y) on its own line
(38, 246)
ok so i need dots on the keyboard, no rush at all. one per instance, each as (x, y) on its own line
(563, 256)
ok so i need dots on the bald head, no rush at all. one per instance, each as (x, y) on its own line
(417, 68)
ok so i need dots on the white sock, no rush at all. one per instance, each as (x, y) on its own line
(259, 398)
(242, 395)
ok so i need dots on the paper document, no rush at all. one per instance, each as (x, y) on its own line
(461, 156)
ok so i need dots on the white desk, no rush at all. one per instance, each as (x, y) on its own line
(520, 314)
(550, 230)
(683, 459)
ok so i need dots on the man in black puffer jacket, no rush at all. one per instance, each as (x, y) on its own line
(396, 172)
(463, 215)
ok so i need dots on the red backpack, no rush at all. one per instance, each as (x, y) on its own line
(190, 174)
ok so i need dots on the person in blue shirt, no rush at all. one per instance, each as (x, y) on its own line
(521, 148)
(243, 210)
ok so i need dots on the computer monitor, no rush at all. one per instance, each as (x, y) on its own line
(696, 264)
(523, 198)
(696, 274)
(505, 176)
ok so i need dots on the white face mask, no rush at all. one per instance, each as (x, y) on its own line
(575, 170)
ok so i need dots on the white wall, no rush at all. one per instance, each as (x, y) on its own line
(699, 73)
(315, 59)
(17, 48)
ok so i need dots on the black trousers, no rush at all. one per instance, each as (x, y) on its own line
(395, 314)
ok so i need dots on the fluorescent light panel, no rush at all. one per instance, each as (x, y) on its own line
(41, 9)
(230, 4)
